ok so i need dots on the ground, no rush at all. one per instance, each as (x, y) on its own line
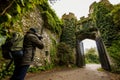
(90, 72)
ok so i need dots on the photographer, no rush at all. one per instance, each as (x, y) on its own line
(39, 36)
(31, 41)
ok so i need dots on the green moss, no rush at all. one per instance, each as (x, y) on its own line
(53, 52)
(49, 21)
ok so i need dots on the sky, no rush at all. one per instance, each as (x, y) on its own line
(79, 8)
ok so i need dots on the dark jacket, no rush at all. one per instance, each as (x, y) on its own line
(31, 41)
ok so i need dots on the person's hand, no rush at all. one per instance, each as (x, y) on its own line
(39, 36)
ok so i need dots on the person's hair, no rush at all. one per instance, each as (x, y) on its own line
(34, 30)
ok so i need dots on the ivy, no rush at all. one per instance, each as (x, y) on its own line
(65, 54)
(104, 22)
(114, 52)
(106, 19)
(68, 33)
(52, 22)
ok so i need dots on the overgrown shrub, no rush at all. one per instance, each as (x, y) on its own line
(115, 55)
(64, 54)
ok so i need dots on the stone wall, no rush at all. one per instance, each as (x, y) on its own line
(34, 19)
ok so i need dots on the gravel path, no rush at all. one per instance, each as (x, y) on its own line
(89, 72)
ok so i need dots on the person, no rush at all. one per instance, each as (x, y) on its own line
(12, 50)
(16, 52)
(31, 41)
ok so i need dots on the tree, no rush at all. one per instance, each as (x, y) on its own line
(91, 56)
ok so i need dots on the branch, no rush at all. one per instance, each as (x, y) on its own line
(7, 7)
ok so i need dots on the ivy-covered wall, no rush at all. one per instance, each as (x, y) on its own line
(69, 29)
(14, 10)
(67, 45)
(20, 15)
(105, 17)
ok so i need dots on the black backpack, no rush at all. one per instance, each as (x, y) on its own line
(14, 43)
(6, 52)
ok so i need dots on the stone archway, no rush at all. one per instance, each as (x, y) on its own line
(94, 35)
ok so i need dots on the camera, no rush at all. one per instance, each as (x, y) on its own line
(39, 36)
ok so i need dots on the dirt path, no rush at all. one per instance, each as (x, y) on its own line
(89, 72)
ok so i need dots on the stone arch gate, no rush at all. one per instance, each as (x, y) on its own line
(91, 33)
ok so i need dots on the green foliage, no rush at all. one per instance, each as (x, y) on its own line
(91, 56)
(106, 19)
(64, 54)
(104, 22)
(17, 8)
(47, 66)
(12, 12)
(100, 69)
(68, 33)
(85, 23)
(115, 13)
(51, 21)
(115, 68)
(3, 72)
(114, 52)
(36, 69)
(53, 51)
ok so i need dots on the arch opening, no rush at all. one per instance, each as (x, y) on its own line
(91, 56)
(80, 55)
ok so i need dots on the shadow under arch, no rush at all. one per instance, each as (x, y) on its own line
(91, 33)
